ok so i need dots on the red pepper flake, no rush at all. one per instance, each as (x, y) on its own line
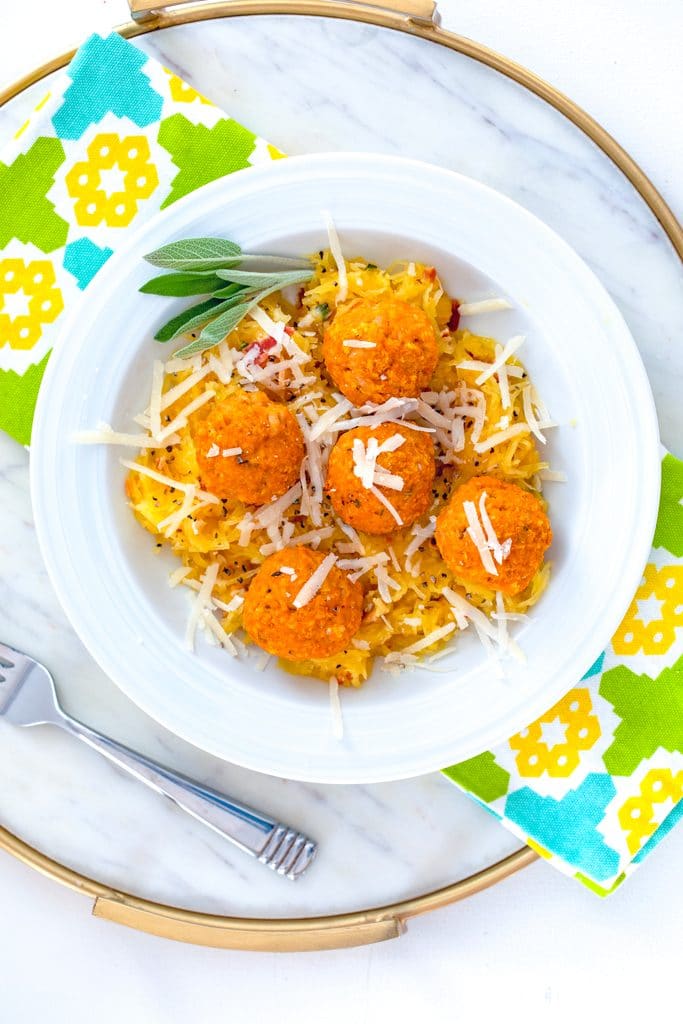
(430, 273)
(289, 330)
(455, 316)
(262, 347)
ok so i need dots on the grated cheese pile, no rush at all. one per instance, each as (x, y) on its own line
(481, 411)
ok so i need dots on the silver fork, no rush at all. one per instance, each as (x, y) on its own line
(28, 697)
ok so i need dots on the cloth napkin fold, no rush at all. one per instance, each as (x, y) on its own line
(597, 781)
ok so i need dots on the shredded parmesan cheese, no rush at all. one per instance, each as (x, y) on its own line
(358, 343)
(329, 419)
(338, 256)
(480, 365)
(200, 603)
(314, 582)
(352, 535)
(373, 415)
(421, 534)
(530, 415)
(385, 584)
(312, 537)
(407, 655)
(272, 328)
(178, 575)
(180, 420)
(335, 707)
(478, 538)
(155, 397)
(359, 566)
(173, 394)
(208, 620)
(365, 463)
(501, 358)
(106, 435)
(394, 559)
(503, 381)
(499, 438)
(430, 638)
(483, 306)
(500, 551)
(170, 524)
(168, 481)
(387, 504)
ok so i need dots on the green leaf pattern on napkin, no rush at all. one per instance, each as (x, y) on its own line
(117, 139)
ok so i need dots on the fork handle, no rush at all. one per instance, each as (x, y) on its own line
(276, 845)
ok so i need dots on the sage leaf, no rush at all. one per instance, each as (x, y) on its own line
(195, 254)
(231, 289)
(224, 324)
(216, 331)
(182, 284)
(265, 280)
(190, 318)
(292, 262)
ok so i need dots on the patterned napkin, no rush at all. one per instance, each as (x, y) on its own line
(597, 781)
(116, 140)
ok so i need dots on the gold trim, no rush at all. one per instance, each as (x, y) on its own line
(389, 921)
(267, 935)
(419, 10)
(401, 23)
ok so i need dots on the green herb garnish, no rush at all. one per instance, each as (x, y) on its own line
(324, 310)
(207, 266)
(195, 254)
(198, 283)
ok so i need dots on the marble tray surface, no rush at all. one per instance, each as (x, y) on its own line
(378, 843)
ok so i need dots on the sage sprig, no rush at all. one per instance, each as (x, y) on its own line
(254, 279)
(219, 328)
(198, 283)
(207, 266)
(195, 254)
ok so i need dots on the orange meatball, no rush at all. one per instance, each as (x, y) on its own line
(271, 442)
(515, 515)
(413, 461)
(401, 361)
(321, 627)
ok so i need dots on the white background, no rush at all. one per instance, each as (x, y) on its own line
(537, 947)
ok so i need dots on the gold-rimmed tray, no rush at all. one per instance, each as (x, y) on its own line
(317, 932)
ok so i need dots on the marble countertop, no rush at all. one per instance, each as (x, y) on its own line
(538, 931)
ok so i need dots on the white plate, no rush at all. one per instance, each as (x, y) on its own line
(113, 583)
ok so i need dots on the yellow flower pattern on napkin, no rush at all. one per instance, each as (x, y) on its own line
(637, 815)
(110, 183)
(655, 613)
(574, 728)
(29, 299)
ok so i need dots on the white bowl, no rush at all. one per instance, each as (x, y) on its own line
(113, 583)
